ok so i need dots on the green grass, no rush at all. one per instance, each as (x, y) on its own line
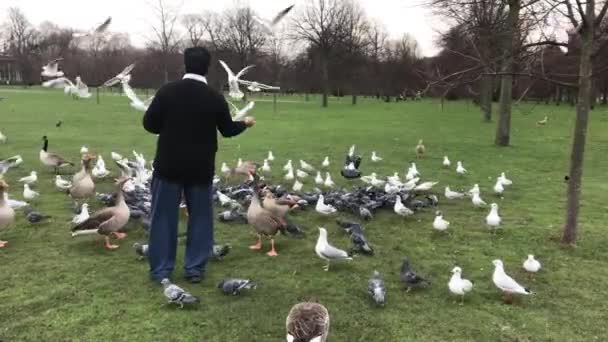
(55, 288)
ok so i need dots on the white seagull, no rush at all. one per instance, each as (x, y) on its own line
(475, 190)
(449, 194)
(498, 187)
(306, 167)
(269, 25)
(301, 174)
(257, 87)
(83, 216)
(136, 102)
(51, 69)
(504, 180)
(439, 223)
(446, 161)
(319, 179)
(375, 157)
(477, 201)
(329, 183)
(225, 169)
(401, 209)
(62, 184)
(460, 169)
(270, 156)
(289, 176)
(426, 186)
(28, 193)
(325, 162)
(115, 156)
(123, 76)
(459, 286)
(297, 186)
(95, 31)
(505, 283)
(84, 150)
(233, 80)
(62, 82)
(324, 209)
(288, 166)
(531, 265)
(328, 252)
(240, 114)
(266, 167)
(31, 179)
(493, 220)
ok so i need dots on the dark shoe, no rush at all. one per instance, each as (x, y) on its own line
(194, 279)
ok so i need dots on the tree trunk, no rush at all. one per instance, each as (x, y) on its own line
(503, 128)
(580, 127)
(354, 99)
(324, 79)
(485, 97)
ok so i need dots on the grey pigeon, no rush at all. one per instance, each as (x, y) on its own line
(220, 251)
(349, 226)
(141, 249)
(376, 288)
(234, 286)
(232, 216)
(35, 217)
(360, 243)
(177, 295)
(410, 278)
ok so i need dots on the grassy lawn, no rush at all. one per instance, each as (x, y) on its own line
(57, 288)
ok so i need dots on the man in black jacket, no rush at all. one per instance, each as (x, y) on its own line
(186, 115)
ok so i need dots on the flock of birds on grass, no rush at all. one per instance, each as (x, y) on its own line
(255, 202)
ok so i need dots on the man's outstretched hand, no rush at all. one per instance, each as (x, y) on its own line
(249, 121)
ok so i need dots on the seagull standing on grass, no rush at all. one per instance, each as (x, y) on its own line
(328, 183)
(506, 284)
(31, 179)
(328, 252)
(504, 180)
(325, 163)
(493, 220)
(82, 216)
(375, 157)
(498, 187)
(440, 224)
(62, 184)
(270, 156)
(288, 166)
(401, 209)
(266, 167)
(297, 186)
(28, 193)
(446, 161)
(324, 209)
(459, 286)
(531, 265)
(460, 169)
(449, 194)
(477, 201)
(319, 179)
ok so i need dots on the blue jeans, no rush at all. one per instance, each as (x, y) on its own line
(166, 197)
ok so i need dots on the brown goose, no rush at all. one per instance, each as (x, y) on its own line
(82, 182)
(307, 322)
(7, 214)
(107, 221)
(52, 159)
(263, 221)
(278, 206)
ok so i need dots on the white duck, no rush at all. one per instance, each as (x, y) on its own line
(297, 186)
(288, 166)
(426, 186)
(266, 167)
(498, 187)
(301, 174)
(459, 286)
(325, 162)
(451, 195)
(477, 201)
(328, 252)
(328, 183)
(270, 156)
(505, 283)
(531, 265)
(233, 80)
(401, 209)
(319, 179)
(289, 176)
(324, 209)
(375, 157)
(31, 179)
(504, 180)
(28, 193)
(446, 161)
(460, 169)
(440, 223)
(493, 219)
(83, 216)
(62, 184)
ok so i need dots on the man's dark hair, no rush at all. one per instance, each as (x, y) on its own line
(197, 60)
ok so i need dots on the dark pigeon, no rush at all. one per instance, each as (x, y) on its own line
(220, 251)
(35, 217)
(365, 214)
(410, 278)
(234, 286)
(141, 250)
(232, 216)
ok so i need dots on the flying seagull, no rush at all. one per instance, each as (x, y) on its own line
(136, 102)
(50, 70)
(124, 75)
(269, 26)
(233, 80)
(96, 31)
(239, 114)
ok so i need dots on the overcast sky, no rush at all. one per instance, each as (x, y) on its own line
(135, 16)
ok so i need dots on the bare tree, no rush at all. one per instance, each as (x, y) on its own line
(586, 22)
(166, 38)
(320, 23)
(195, 26)
(241, 34)
(22, 42)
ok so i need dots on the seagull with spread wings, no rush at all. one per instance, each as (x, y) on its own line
(233, 80)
